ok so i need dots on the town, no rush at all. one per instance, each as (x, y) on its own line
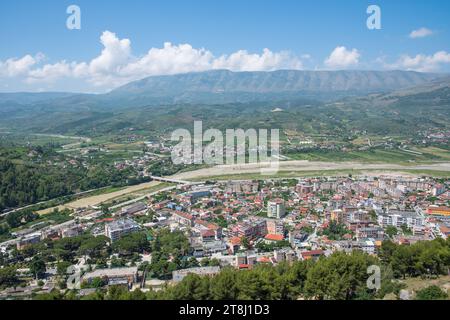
(202, 227)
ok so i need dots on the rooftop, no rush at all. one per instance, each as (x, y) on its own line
(122, 224)
(115, 272)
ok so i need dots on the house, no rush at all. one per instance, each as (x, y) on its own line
(285, 254)
(234, 244)
(71, 232)
(297, 237)
(209, 226)
(135, 208)
(183, 218)
(312, 254)
(273, 238)
(444, 231)
(29, 239)
(208, 235)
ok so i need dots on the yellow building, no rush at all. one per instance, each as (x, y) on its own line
(438, 211)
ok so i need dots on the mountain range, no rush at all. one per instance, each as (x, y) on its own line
(239, 99)
(222, 86)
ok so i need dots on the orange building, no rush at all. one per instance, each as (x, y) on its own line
(438, 211)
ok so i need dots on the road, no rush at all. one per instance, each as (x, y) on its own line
(141, 197)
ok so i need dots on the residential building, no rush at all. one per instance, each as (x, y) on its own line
(399, 218)
(135, 208)
(117, 229)
(276, 209)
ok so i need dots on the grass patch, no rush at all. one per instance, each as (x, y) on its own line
(373, 156)
(323, 173)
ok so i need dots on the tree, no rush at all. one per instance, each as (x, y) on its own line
(37, 267)
(134, 242)
(62, 267)
(214, 262)
(93, 246)
(339, 276)
(117, 293)
(245, 243)
(335, 231)
(95, 283)
(117, 262)
(205, 262)
(250, 285)
(8, 277)
(391, 231)
(192, 287)
(192, 263)
(224, 286)
(431, 293)
(386, 251)
(53, 295)
(406, 230)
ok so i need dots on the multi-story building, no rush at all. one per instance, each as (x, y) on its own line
(251, 229)
(439, 212)
(29, 239)
(117, 229)
(338, 216)
(276, 209)
(275, 227)
(399, 218)
(370, 232)
(437, 190)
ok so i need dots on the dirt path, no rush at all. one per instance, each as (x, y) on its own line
(98, 199)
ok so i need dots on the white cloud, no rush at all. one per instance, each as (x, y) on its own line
(49, 72)
(117, 65)
(341, 58)
(15, 67)
(420, 33)
(169, 59)
(422, 62)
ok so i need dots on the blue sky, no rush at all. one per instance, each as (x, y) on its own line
(39, 53)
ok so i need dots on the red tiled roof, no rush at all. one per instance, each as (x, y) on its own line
(445, 230)
(183, 214)
(104, 220)
(312, 253)
(274, 237)
(235, 241)
(264, 260)
(207, 224)
(208, 233)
